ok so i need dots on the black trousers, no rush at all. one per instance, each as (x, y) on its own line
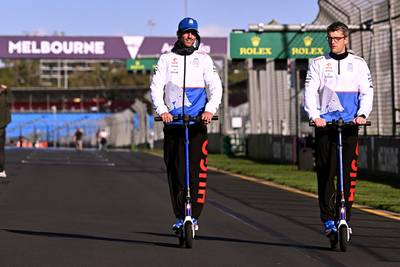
(2, 144)
(327, 167)
(174, 157)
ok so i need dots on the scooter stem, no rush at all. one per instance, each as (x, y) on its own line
(342, 200)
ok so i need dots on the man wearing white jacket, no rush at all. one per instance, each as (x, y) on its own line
(185, 81)
(338, 86)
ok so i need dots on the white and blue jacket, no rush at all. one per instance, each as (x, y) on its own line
(339, 87)
(202, 84)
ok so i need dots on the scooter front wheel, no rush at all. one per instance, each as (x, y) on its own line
(189, 234)
(343, 238)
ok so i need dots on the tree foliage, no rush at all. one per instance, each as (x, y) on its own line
(26, 73)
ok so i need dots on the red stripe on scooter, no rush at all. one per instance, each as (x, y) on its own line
(353, 183)
(353, 174)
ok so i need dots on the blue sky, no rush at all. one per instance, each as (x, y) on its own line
(130, 17)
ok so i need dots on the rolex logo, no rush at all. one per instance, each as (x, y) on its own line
(308, 40)
(255, 40)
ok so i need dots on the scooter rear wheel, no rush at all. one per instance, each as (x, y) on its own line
(188, 235)
(343, 238)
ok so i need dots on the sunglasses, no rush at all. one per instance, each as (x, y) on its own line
(336, 39)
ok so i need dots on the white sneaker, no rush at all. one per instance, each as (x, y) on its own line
(3, 174)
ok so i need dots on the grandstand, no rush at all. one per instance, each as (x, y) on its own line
(53, 129)
(80, 99)
(43, 117)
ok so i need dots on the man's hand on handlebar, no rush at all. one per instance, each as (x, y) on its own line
(319, 122)
(360, 120)
(166, 117)
(206, 117)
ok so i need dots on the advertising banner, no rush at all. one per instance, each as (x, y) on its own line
(277, 45)
(143, 64)
(155, 46)
(101, 48)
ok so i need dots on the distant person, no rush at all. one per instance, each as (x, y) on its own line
(338, 86)
(98, 138)
(36, 138)
(5, 118)
(78, 138)
(102, 139)
(186, 67)
(21, 141)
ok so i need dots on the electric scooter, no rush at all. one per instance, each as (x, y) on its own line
(344, 231)
(187, 233)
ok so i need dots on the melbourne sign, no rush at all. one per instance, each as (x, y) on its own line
(104, 48)
(64, 47)
(277, 45)
(56, 47)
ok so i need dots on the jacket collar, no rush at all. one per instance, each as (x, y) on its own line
(340, 56)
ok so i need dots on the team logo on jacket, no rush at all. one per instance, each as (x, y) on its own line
(174, 65)
(350, 67)
(328, 69)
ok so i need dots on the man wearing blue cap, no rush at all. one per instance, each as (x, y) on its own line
(185, 69)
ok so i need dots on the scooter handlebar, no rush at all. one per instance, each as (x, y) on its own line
(186, 118)
(341, 123)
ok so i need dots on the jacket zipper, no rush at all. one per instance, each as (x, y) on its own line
(184, 85)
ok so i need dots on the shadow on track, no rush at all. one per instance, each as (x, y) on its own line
(90, 237)
(235, 240)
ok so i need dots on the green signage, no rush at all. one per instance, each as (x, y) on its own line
(278, 45)
(142, 64)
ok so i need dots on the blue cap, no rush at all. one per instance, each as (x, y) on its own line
(187, 24)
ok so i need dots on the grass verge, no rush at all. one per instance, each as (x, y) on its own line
(373, 194)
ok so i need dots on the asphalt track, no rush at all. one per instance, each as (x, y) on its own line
(70, 208)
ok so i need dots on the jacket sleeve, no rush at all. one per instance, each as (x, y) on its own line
(366, 90)
(157, 85)
(311, 95)
(213, 86)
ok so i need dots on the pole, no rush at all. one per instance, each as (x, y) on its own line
(65, 74)
(226, 118)
(392, 83)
